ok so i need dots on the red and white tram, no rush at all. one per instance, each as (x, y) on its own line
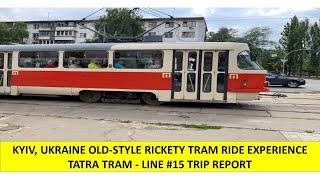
(154, 72)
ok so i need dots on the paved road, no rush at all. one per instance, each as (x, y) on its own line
(312, 86)
(296, 117)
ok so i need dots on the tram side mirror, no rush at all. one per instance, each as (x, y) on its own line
(253, 56)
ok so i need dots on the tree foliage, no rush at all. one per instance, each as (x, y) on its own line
(119, 22)
(224, 34)
(13, 33)
(314, 64)
(295, 36)
(258, 40)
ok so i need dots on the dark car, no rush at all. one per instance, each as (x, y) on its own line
(275, 78)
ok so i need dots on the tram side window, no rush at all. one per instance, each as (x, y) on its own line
(208, 58)
(178, 59)
(42, 59)
(220, 82)
(206, 83)
(85, 59)
(191, 82)
(1, 61)
(177, 81)
(192, 61)
(144, 59)
(222, 57)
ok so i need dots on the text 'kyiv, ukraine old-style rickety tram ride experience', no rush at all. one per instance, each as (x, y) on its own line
(152, 72)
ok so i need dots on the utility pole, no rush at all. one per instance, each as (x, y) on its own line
(284, 60)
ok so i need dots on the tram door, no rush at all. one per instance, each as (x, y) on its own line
(199, 75)
(5, 72)
(213, 75)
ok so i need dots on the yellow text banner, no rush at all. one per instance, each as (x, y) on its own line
(159, 156)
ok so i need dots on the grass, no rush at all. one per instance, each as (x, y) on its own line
(125, 121)
(194, 126)
(309, 131)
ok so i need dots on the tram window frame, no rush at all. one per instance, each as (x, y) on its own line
(85, 58)
(37, 59)
(1, 61)
(191, 82)
(207, 62)
(247, 61)
(222, 63)
(177, 85)
(122, 61)
(207, 82)
(221, 82)
(194, 63)
(178, 63)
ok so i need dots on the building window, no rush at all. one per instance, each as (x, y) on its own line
(188, 34)
(83, 35)
(152, 24)
(36, 26)
(58, 33)
(43, 59)
(169, 25)
(45, 33)
(67, 33)
(82, 26)
(147, 59)
(189, 24)
(152, 34)
(35, 36)
(85, 59)
(168, 35)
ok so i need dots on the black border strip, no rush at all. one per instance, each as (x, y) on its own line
(226, 77)
(199, 74)
(172, 75)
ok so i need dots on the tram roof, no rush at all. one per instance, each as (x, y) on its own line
(122, 46)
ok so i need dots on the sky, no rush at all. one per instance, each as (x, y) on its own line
(241, 19)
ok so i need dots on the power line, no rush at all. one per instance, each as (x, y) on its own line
(161, 12)
(150, 13)
(93, 13)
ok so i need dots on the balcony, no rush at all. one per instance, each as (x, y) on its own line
(65, 28)
(65, 38)
(45, 37)
(46, 28)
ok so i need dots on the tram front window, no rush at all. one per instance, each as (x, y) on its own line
(246, 63)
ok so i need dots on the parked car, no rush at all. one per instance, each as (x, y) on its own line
(275, 78)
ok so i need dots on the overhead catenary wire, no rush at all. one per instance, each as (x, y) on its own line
(150, 13)
(160, 12)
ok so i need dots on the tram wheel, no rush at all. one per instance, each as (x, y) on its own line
(150, 99)
(90, 96)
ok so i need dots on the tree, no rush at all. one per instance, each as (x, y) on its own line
(259, 43)
(13, 33)
(119, 22)
(257, 36)
(314, 46)
(294, 37)
(261, 46)
(224, 34)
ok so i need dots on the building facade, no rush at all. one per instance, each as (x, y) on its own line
(191, 29)
(59, 32)
(187, 29)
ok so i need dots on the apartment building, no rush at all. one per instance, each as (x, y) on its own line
(187, 29)
(59, 32)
